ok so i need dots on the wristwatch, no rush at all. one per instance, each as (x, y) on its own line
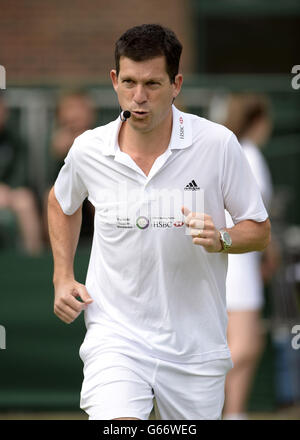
(225, 239)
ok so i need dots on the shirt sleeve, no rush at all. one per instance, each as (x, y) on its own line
(69, 187)
(242, 197)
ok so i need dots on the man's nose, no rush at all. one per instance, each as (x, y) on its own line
(140, 95)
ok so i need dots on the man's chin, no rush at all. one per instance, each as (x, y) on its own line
(140, 125)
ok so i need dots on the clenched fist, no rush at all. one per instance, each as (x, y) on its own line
(202, 230)
(66, 306)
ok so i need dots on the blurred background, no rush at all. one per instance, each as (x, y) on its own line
(57, 57)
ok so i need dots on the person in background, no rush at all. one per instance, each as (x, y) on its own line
(249, 117)
(15, 193)
(75, 113)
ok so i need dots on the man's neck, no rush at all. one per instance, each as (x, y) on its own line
(148, 144)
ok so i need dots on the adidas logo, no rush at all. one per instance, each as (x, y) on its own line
(192, 186)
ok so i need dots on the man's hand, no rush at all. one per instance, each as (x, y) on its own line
(66, 306)
(202, 230)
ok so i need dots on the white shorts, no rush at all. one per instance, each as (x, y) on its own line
(120, 385)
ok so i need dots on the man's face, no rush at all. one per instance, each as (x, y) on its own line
(144, 88)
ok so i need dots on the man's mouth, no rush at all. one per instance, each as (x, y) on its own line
(139, 113)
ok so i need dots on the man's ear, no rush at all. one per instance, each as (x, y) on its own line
(114, 78)
(177, 84)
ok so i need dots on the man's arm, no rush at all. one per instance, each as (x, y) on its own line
(247, 235)
(64, 233)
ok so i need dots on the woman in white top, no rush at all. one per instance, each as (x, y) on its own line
(249, 118)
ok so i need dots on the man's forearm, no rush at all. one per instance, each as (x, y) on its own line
(249, 236)
(64, 233)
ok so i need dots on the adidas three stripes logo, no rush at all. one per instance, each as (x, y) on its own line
(192, 186)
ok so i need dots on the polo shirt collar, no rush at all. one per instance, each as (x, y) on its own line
(181, 136)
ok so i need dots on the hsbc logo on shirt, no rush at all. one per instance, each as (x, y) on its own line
(178, 224)
(143, 222)
(181, 128)
(162, 223)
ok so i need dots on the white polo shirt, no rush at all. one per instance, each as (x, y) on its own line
(153, 289)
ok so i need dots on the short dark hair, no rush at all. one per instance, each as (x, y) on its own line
(147, 41)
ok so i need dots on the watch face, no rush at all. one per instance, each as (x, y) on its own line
(227, 238)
